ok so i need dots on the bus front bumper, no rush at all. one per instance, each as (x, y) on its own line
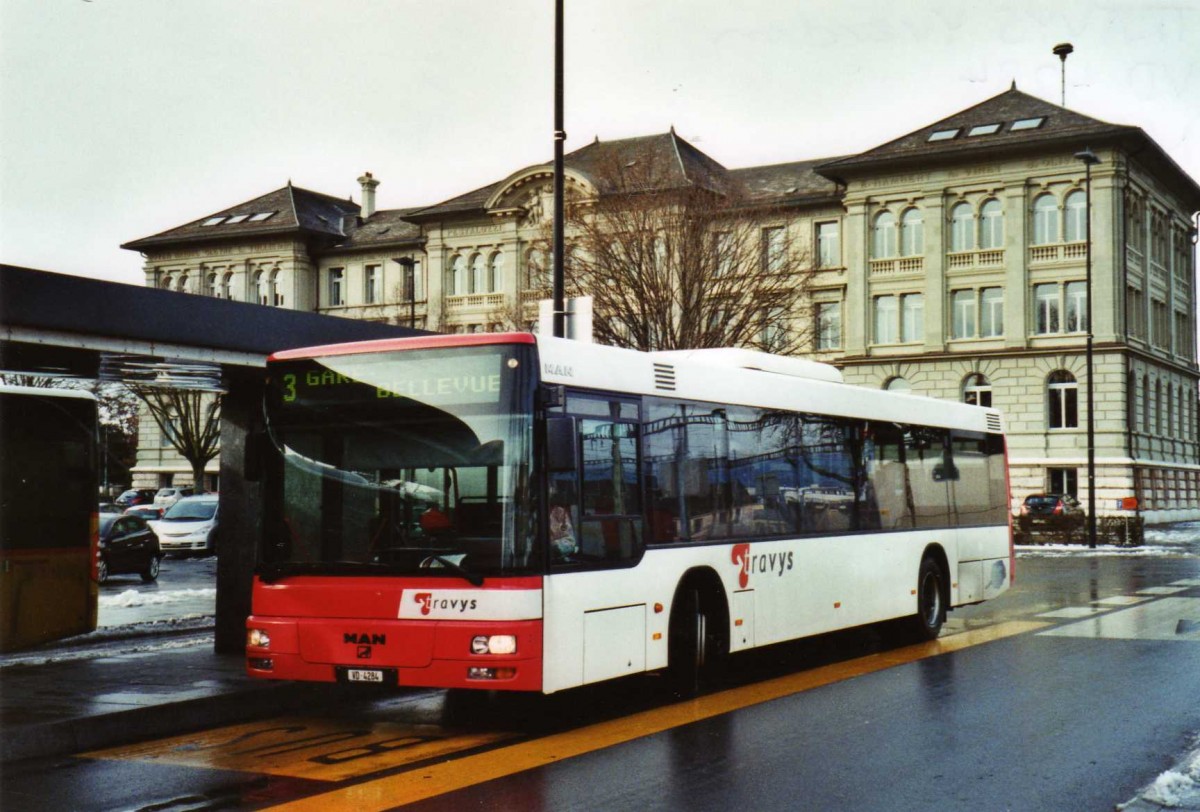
(435, 654)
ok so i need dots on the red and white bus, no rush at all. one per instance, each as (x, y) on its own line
(517, 512)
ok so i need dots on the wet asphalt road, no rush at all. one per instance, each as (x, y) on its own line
(1075, 714)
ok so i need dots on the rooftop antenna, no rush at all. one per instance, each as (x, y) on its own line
(1062, 51)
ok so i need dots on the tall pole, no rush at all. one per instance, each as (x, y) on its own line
(1088, 157)
(559, 137)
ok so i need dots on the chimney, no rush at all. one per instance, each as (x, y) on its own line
(368, 183)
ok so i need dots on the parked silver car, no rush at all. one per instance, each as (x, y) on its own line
(169, 496)
(189, 526)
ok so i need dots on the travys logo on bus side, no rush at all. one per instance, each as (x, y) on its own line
(762, 563)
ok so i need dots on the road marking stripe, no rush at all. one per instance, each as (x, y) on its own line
(392, 791)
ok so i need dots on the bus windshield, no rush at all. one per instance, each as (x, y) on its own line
(402, 462)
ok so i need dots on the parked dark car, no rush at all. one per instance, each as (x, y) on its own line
(136, 496)
(110, 507)
(1052, 511)
(127, 544)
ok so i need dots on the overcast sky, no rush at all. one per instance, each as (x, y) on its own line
(122, 118)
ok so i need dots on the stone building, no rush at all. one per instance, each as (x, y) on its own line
(950, 262)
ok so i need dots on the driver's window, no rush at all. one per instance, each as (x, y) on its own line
(595, 511)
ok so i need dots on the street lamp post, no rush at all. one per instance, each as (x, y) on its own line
(1089, 159)
(410, 287)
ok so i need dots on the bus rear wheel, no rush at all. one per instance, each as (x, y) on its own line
(927, 623)
(696, 643)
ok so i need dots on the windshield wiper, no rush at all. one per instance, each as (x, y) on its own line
(473, 578)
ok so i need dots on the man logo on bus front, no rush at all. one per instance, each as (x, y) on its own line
(748, 562)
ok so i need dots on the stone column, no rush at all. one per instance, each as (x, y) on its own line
(1016, 256)
(240, 510)
(933, 211)
(857, 307)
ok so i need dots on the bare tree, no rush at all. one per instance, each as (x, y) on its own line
(190, 419)
(687, 264)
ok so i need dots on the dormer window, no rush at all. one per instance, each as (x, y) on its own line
(262, 215)
(212, 221)
(983, 129)
(237, 218)
(945, 135)
(1026, 124)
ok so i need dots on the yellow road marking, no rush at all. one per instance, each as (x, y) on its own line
(320, 749)
(437, 779)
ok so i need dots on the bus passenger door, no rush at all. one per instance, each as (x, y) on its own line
(595, 613)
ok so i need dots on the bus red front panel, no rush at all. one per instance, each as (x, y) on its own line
(410, 632)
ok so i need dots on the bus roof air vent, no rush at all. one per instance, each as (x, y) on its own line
(752, 359)
(994, 423)
(664, 376)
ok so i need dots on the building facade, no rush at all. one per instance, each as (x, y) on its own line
(950, 262)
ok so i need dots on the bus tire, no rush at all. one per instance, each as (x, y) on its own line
(926, 624)
(696, 647)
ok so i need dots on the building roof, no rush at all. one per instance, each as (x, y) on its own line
(787, 183)
(659, 162)
(283, 211)
(384, 227)
(1011, 120)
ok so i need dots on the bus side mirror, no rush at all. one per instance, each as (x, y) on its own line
(560, 444)
(252, 459)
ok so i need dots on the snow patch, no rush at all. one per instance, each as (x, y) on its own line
(1102, 551)
(1178, 786)
(131, 597)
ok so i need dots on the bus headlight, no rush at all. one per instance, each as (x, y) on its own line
(494, 644)
(258, 638)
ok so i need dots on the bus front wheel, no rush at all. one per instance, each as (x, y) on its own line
(926, 624)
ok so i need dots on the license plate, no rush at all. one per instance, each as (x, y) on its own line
(363, 675)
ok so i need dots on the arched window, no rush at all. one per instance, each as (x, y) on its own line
(166, 282)
(977, 390)
(1062, 396)
(962, 228)
(883, 235)
(458, 275)
(1158, 408)
(1045, 220)
(226, 286)
(1146, 404)
(496, 271)
(183, 284)
(273, 289)
(478, 274)
(260, 288)
(1173, 411)
(1076, 205)
(210, 284)
(912, 233)
(536, 269)
(897, 384)
(991, 225)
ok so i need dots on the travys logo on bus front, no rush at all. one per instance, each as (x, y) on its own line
(471, 604)
(763, 563)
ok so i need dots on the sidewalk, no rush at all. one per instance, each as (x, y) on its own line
(64, 706)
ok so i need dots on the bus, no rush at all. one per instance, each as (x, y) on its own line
(48, 515)
(526, 513)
